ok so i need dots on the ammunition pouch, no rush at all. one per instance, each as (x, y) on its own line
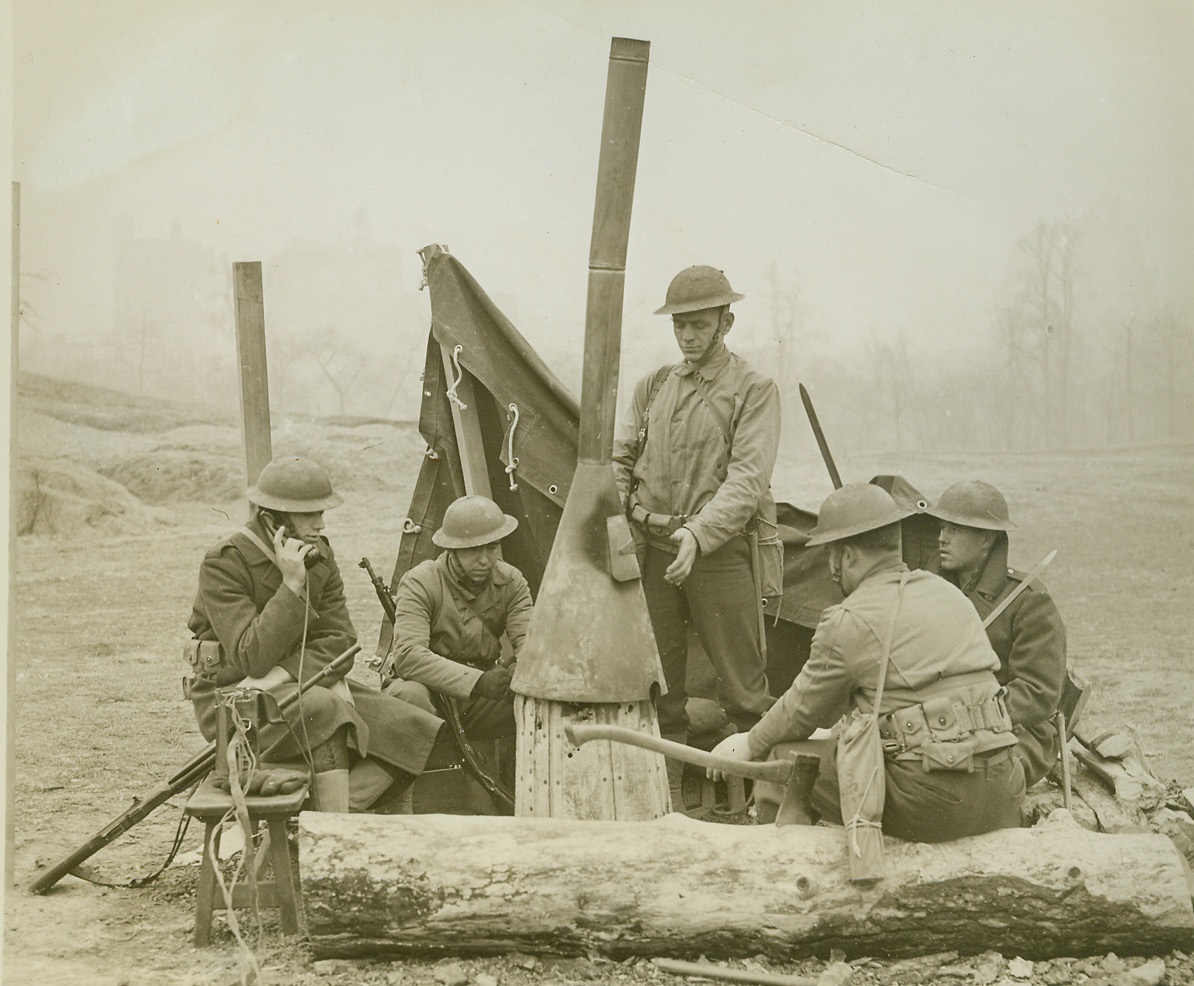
(205, 657)
(657, 526)
(947, 731)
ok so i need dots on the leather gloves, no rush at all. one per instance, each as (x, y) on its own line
(268, 780)
(494, 684)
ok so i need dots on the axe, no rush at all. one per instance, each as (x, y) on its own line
(796, 774)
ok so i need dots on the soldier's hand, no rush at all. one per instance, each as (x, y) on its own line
(735, 747)
(689, 549)
(494, 684)
(290, 553)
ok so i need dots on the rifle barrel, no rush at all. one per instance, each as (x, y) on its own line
(819, 435)
(193, 771)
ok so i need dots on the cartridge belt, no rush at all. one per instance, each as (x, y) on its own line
(943, 719)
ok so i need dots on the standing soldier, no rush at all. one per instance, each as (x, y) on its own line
(270, 611)
(1028, 636)
(914, 639)
(693, 465)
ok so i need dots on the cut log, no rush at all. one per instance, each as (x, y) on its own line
(397, 885)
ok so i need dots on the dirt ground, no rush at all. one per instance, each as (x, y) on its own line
(100, 718)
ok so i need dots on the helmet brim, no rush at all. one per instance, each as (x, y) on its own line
(271, 502)
(893, 516)
(966, 520)
(717, 301)
(442, 540)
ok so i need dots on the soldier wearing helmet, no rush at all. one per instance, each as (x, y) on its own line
(1028, 636)
(946, 735)
(451, 614)
(693, 463)
(270, 611)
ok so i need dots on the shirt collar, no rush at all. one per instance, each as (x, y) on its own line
(992, 580)
(717, 362)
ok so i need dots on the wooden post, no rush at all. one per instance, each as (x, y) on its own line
(473, 464)
(590, 653)
(254, 379)
(10, 677)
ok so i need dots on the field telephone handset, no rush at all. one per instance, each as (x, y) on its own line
(275, 522)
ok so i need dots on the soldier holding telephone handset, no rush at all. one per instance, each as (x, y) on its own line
(271, 611)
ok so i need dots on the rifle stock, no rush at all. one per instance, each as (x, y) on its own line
(187, 776)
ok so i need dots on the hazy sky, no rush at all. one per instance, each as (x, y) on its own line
(885, 157)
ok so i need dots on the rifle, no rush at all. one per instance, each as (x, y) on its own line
(445, 705)
(186, 777)
(819, 435)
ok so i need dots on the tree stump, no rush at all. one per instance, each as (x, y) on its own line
(435, 884)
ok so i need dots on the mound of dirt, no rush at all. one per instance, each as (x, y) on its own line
(166, 475)
(54, 497)
(107, 409)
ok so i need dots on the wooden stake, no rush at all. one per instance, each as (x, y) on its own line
(254, 380)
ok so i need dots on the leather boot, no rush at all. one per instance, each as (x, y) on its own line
(675, 772)
(368, 780)
(331, 790)
(797, 805)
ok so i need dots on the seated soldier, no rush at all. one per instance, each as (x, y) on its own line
(1028, 636)
(451, 612)
(270, 611)
(948, 774)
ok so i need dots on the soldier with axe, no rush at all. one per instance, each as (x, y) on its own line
(907, 648)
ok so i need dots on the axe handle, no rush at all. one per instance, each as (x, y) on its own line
(766, 770)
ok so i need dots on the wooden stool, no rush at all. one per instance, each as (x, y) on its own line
(210, 805)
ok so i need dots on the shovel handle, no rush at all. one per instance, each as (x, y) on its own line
(766, 770)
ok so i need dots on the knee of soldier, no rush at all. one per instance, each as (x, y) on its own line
(413, 692)
(332, 754)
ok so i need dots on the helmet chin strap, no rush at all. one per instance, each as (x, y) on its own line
(461, 575)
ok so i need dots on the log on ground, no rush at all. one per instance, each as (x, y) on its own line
(391, 885)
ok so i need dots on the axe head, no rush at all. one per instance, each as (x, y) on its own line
(795, 808)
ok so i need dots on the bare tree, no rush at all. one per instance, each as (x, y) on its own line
(1171, 351)
(1037, 328)
(338, 362)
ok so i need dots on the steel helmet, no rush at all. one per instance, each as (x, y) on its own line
(697, 288)
(973, 503)
(855, 509)
(472, 521)
(294, 485)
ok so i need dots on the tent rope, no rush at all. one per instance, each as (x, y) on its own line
(451, 394)
(511, 458)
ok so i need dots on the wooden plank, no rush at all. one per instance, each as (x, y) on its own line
(599, 780)
(254, 378)
(10, 677)
(468, 429)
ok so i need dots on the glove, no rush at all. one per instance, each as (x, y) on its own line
(494, 684)
(268, 780)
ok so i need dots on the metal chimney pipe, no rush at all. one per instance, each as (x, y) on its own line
(626, 88)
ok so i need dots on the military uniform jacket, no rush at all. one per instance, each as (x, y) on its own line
(938, 645)
(1029, 639)
(261, 623)
(684, 466)
(442, 635)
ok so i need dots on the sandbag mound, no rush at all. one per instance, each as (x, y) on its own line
(166, 475)
(55, 497)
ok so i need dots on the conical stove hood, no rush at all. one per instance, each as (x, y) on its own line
(590, 638)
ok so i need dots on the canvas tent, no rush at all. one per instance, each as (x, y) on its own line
(497, 421)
